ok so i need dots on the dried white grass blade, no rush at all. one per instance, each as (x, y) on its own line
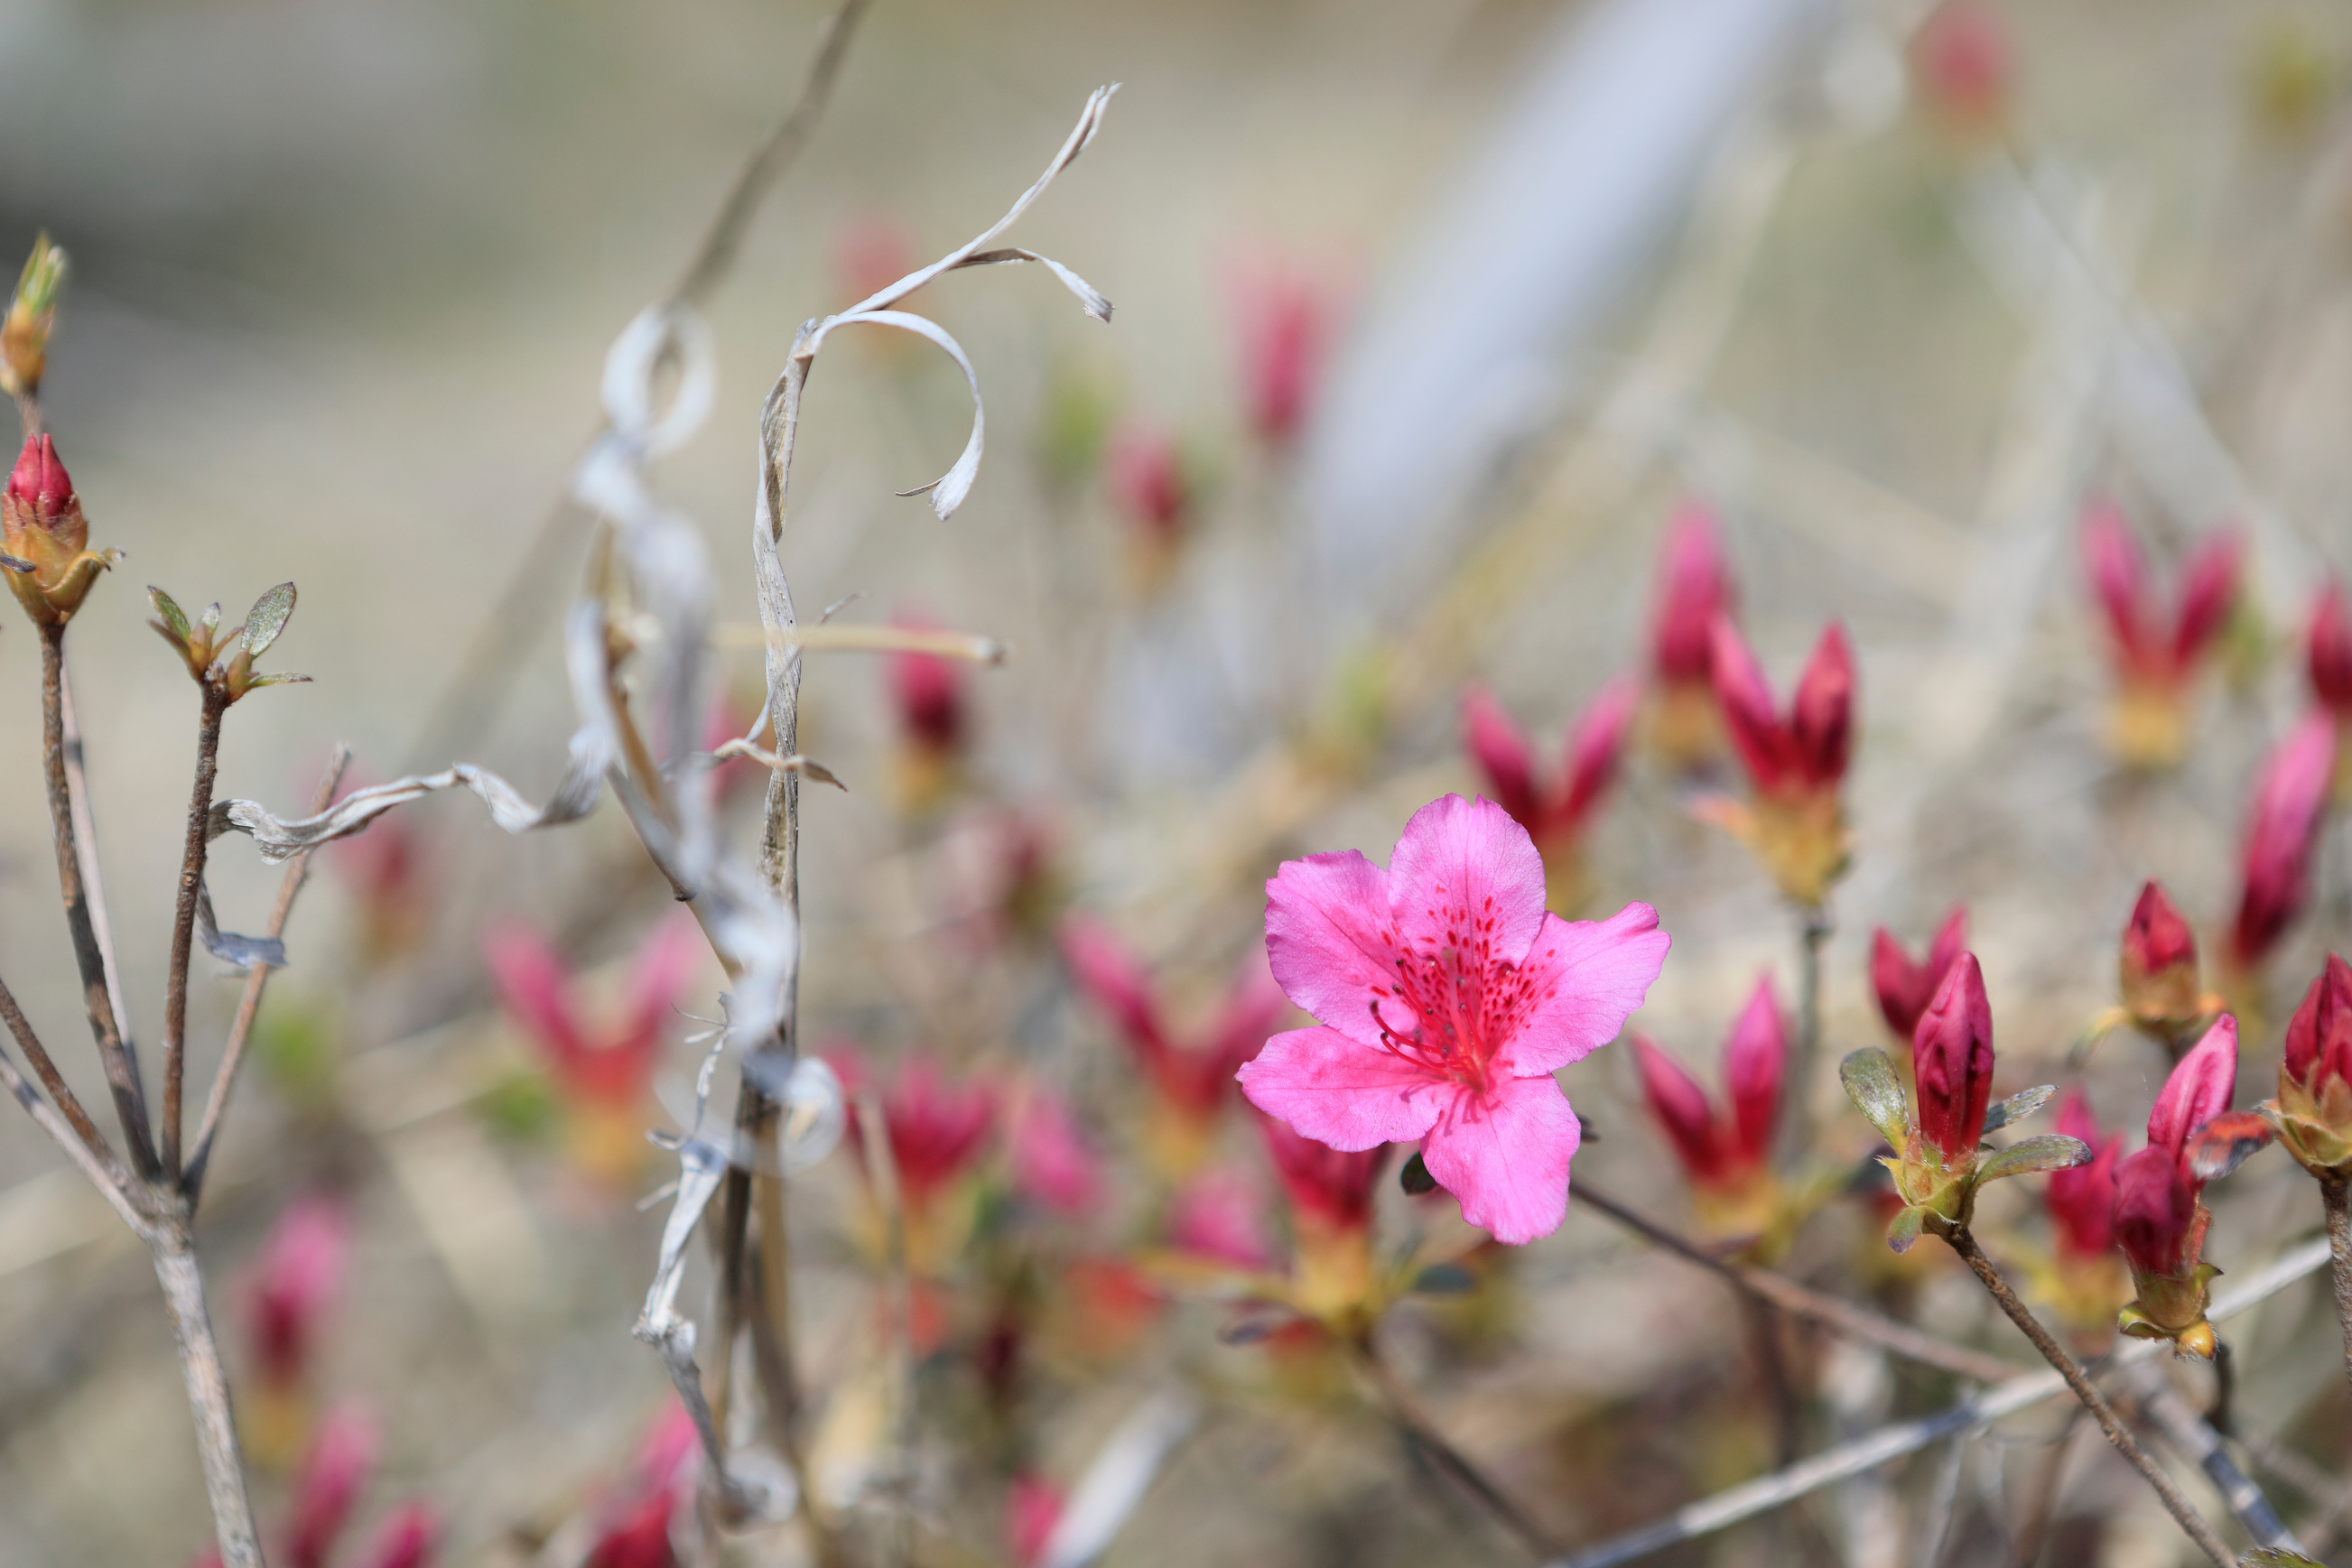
(1115, 1483)
(1089, 294)
(632, 373)
(947, 491)
(1090, 121)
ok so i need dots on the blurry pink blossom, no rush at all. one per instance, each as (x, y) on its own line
(1723, 1152)
(1283, 318)
(1033, 1506)
(406, 1539)
(2281, 834)
(612, 1065)
(2328, 652)
(1193, 1076)
(937, 1128)
(1960, 62)
(1148, 482)
(871, 253)
(1220, 1216)
(1052, 1164)
(1449, 996)
(2150, 644)
(1693, 589)
(327, 1485)
(293, 1287)
(2082, 1198)
(1554, 809)
(1328, 1188)
(1805, 750)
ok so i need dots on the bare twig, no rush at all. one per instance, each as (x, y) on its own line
(1796, 1106)
(1838, 1316)
(2041, 1503)
(183, 918)
(1766, 1493)
(105, 1172)
(200, 1365)
(2189, 1519)
(2188, 1433)
(889, 1197)
(2332, 1194)
(52, 1080)
(93, 881)
(1450, 1461)
(248, 1006)
(121, 1072)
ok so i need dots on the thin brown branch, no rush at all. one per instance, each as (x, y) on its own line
(1796, 1105)
(1800, 1300)
(51, 1079)
(2191, 1521)
(1453, 1464)
(121, 1073)
(105, 1172)
(183, 919)
(200, 1366)
(248, 1006)
(93, 882)
(2333, 1194)
(2041, 1503)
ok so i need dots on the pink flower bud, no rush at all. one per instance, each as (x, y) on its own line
(612, 1066)
(1680, 1108)
(1497, 744)
(2281, 831)
(2209, 588)
(872, 253)
(1821, 715)
(406, 1540)
(1148, 483)
(2156, 1214)
(1552, 810)
(1746, 699)
(1219, 1217)
(1805, 753)
(40, 485)
(293, 1286)
(1904, 988)
(1283, 318)
(1951, 1056)
(2158, 964)
(1193, 1078)
(1327, 1187)
(638, 1537)
(327, 1485)
(1960, 61)
(2082, 1198)
(1052, 1164)
(1754, 1059)
(1033, 1507)
(938, 1127)
(2329, 657)
(2197, 1089)
(1721, 1152)
(929, 692)
(1693, 589)
(2319, 1037)
(1595, 742)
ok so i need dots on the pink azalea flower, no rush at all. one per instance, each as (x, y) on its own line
(406, 1540)
(612, 1066)
(1904, 987)
(327, 1486)
(1192, 1075)
(1448, 998)
(1052, 1164)
(2281, 833)
(293, 1287)
(1555, 810)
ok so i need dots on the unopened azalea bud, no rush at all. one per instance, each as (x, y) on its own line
(406, 1540)
(1960, 62)
(2156, 654)
(2313, 1112)
(1951, 1057)
(1726, 1153)
(41, 524)
(1796, 823)
(2329, 651)
(928, 694)
(2161, 1219)
(1033, 1507)
(2281, 834)
(1821, 715)
(1904, 987)
(328, 1485)
(1284, 320)
(2082, 1198)
(1499, 747)
(1554, 809)
(24, 333)
(1148, 483)
(2157, 966)
(2155, 1214)
(1694, 588)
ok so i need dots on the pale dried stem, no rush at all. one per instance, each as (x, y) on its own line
(105, 1172)
(200, 1365)
(85, 831)
(1797, 1103)
(183, 919)
(248, 1006)
(51, 1079)
(121, 1071)
(2041, 1503)
(2191, 1521)
(2333, 1195)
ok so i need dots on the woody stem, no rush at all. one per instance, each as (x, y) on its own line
(2336, 1193)
(2207, 1539)
(183, 921)
(1796, 1107)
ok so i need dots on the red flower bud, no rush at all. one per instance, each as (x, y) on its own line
(1033, 1506)
(40, 485)
(1500, 748)
(1595, 740)
(2209, 588)
(1807, 751)
(1754, 1059)
(1328, 1186)
(937, 1128)
(1283, 319)
(1147, 484)
(1680, 1108)
(2082, 1198)
(929, 691)
(2156, 1214)
(41, 523)
(1904, 987)
(1552, 810)
(1821, 715)
(406, 1539)
(2330, 652)
(1951, 1056)
(1722, 1152)
(1694, 588)
(1960, 62)
(1194, 1077)
(327, 1485)
(294, 1286)
(2281, 831)
(2319, 1037)
(2156, 966)
(2197, 1089)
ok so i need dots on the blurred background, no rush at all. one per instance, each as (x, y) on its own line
(1430, 314)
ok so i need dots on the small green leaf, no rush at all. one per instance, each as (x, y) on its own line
(2019, 1106)
(2050, 1151)
(169, 608)
(1903, 1230)
(267, 618)
(210, 620)
(1870, 1082)
(1415, 1177)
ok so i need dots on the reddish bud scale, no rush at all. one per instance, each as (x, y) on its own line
(2080, 1199)
(937, 1128)
(2282, 833)
(1694, 590)
(1326, 1187)
(1905, 988)
(2313, 1112)
(2329, 652)
(2156, 963)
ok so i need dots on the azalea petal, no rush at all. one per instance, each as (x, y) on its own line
(1505, 1153)
(1331, 941)
(536, 989)
(2198, 1089)
(1584, 979)
(1341, 1091)
(1465, 876)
